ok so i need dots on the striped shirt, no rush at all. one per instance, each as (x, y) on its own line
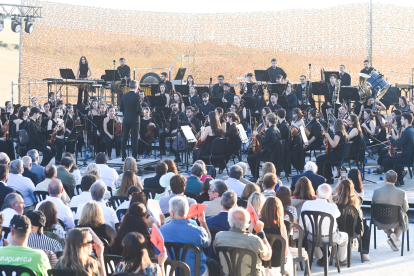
(43, 242)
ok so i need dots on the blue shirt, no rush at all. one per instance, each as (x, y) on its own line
(193, 185)
(182, 231)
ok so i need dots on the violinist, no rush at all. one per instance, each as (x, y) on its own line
(190, 81)
(368, 126)
(56, 124)
(369, 104)
(9, 107)
(292, 101)
(177, 97)
(193, 98)
(220, 113)
(315, 137)
(405, 106)
(109, 136)
(267, 144)
(258, 100)
(354, 132)
(406, 142)
(35, 103)
(227, 96)
(273, 102)
(143, 99)
(61, 105)
(282, 125)
(36, 134)
(69, 120)
(337, 144)
(297, 118)
(170, 129)
(206, 107)
(45, 115)
(343, 110)
(234, 109)
(147, 133)
(195, 123)
(233, 139)
(265, 112)
(52, 100)
(103, 110)
(23, 118)
(164, 93)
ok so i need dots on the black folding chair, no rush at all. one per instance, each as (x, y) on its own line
(22, 142)
(410, 167)
(233, 258)
(120, 213)
(116, 201)
(78, 189)
(40, 195)
(218, 149)
(151, 193)
(74, 210)
(110, 263)
(276, 262)
(5, 232)
(346, 157)
(11, 270)
(178, 251)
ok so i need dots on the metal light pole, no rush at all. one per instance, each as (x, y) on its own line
(370, 33)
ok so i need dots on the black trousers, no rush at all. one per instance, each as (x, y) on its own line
(382, 155)
(325, 107)
(110, 143)
(251, 159)
(143, 147)
(133, 128)
(388, 164)
(83, 92)
(328, 167)
(48, 154)
(8, 147)
(70, 145)
(163, 136)
(60, 145)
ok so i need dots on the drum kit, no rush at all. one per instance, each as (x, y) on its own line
(373, 83)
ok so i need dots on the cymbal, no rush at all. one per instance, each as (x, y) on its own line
(365, 76)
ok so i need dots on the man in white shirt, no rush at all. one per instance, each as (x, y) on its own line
(85, 196)
(108, 175)
(4, 158)
(217, 189)
(51, 173)
(55, 194)
(20, 183)
(98, 190)
(233, 183)
(13, 205)
(321, 204)
(125, 205)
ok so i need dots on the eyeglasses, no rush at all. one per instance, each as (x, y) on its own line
(89, 242)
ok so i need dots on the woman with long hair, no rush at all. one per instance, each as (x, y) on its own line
(193, 97)
(337, 144)
(220, 113)
(22, 121)
(404, 105)
(76, 255)
(369, 104)
(128, 180)
(179, 99)
(145, 143)
(135, 257)
(190, 81)
(130, 164)
(248, 190)
(164, 93)
(172, 167)
(92, 131)
(52, 224)
(45, 115)
(93, 169)
(304, 189)
(56, 122)
(297, 118)
(204, 196)
(283, 193)
(355, 176)
(354, 132)
(109, 136)
(84, 72)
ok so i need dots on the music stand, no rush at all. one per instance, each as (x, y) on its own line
(320, 88)
(73, 137)
(156, 101)
(187, 133)
(217, 102)
(242, 134)
(180, 74)
(250, 105)
(163, 112)
(250, 89)
(349, 94)
(282, 102)
(278, 88)
(113, 75)
(186, 101)
(202, 89)
(183, 89)
(262, 75)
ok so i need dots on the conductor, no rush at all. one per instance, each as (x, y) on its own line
(131, 108)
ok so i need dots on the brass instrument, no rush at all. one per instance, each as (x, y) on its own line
(305, 95)
(364, 87)
(335, 96)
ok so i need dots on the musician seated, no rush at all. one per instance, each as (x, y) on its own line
(304, 91)
(297, 118)
(258, 100)
(217, 88)
(404, 105)
(283, 126)
(343, 113)
(165, 81)
(354, 132)
(240, 110)
(368, 128)
(6, 143)
(206, 107)
(227, 96)
(52, 100)
(195, 123)
(265, 111)
(280, 79)
(235, 110)
(57, 125)
(147, 133)
(337, 144)
(177, 97)
(143, 99)
(232, 135)
(245, 88)
(112, 136)
(172, 127)
(222, 118)
(369, 104)
(267, 144)
(193, 97)
(164, 93)
(273, 103)
(45, 116)
(71, 120)
(292, 101)
(328, 99)
(367, 68)
(22, 119)
(314, 132)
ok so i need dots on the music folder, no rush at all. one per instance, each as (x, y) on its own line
(262, 75)
(67, 74)
(188, 134)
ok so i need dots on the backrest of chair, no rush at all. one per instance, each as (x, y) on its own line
(110, 263)
(290, 215)
(316, 220)
(300, 239)
(107, 248)
(74, 210)
(219, 146)
(177, 268)
(59, 254)
(190, 195)
(78, 189)
(347, 152)
(385, 213)
(120, 213)
(346, 211)
(233, 258)
(8, 270)
(5, 232)
(274, 239)
(62, 223)
(109, 190)
(23, 137)
(116, 201)
(40, 195)
(178, 251)
(150, 193)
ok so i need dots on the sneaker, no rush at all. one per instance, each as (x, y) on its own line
(392, 245)
(343, 263)
(378, 171)
(321, 262)
(366, 257)
(402, 182)
(396, 241)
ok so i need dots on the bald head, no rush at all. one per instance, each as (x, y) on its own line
(324, 191)
(27, 162)
(51, 171)
(238, 218)
(55, 188)
(4, 158)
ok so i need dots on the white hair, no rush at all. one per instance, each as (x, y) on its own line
(98, 190)
(238, 223)
(243, 166)
(324, 191)
(179, 205)
(27, 161)
(311, 166)
(16, 166)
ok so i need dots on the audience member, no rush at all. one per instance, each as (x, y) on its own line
(268, 167)
(283, 194)
(52, 224)
(154, 182)
(74, 170)
(51, 173)
(63, 211)
(270, 185)
(68, 179)
(237, 237)
(93, 217)
(37, 239)
(247, 192)
(178, 184)
(98, 191)
(4, 175)
(171, 165)
(109, 175)
(128, 180)
(19, 254)
(193, 182)
(233, 183)
(205, 175)
(93, 169)
(180, 230)
(243, 180)
(303, 192)
(216, 190)
(85, 196)
(4, 158)
(310, 172)
(220, 222)
(130, 165)
(76, 255)
(135, 257)
(324, 203)
(256, 200)
(165, 183)
(27, 166)
(3, 241)
(130, 192)
(36, 168)
(391, 195)
(21, 184)
(13, 205)
(355, 176)
(204, 196)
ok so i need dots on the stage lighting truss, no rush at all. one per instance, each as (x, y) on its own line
(18, 13)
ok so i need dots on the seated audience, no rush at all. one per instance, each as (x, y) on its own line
(247, 192)
(165, 183)
(239, 238)
(37, 239)
(193, 182)
(303, 192)
(204, 174)
(109, 175)
(177, 183)
(135, 257)
(19, 254)
(93, 217)
(283, 194)
(13, 205)
(36, 168)
(180, 230)
(244, 169)
(171, 165)
(21, 184)
(76, 255)
(220, 222)
(128, 180)
(310, 172)
(63, 211)
(256, 200)
(68, 179)
(52, 224)
(204, 196)
(27, 166)
(270, 185)
(130, 192)
(324, 203)
(217, 188)
(3, 241)
(391, 195)
(85, 196)
(4, 175)
(98, 191)
(233, 183)
(130, 165)
(154, 182)
(93, 169)
(355, 176)
(4, 158)
(268, 167)
(51, 173)
(74, 170)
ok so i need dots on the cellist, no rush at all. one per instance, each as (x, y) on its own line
(110, 138)
(148, 131)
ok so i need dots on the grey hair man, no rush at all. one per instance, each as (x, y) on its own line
(237, 236)
(20, 183)
(233, 183)
(324, 203)
(51, 173)
(36, 168)
(27, 166)
(13, 205)
(216, 190)
(220, 221)
(310, 172)
(243, 180)
(64, 213)
(98, 191)
(4, 158)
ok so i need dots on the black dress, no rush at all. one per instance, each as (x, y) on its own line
(325, 169)
(59, 143)
(233, 142)
(109, 143)
(45, 120)
(355, 142)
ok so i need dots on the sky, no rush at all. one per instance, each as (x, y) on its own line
(214, 6)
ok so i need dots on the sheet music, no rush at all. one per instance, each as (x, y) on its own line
(302, 132)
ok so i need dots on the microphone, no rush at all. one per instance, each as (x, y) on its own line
(114, 62)
(310, 65)
(211, 80)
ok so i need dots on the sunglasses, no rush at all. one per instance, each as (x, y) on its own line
(89, 242)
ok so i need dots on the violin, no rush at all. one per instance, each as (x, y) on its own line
(55, 131)
(200, 144)
(327, 145)
(118, 128)
(150, 132)
(6, 129)
(391, 149)
(78, 121)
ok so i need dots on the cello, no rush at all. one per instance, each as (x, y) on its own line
(255, 143)
(200, 144)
